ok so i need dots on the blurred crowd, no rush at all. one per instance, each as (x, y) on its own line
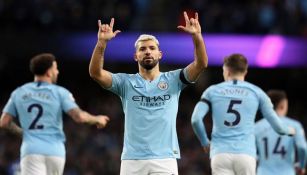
(287, 17)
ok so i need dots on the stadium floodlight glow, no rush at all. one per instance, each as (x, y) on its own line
(261, 50)
(270, 51)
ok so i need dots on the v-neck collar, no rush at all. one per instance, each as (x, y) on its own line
(150, 81)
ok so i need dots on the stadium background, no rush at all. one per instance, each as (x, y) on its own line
(29, 27)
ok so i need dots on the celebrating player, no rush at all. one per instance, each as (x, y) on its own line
(149, 99)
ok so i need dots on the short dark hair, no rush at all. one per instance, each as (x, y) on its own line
(40, 63)
(237, 63)
(276, 96)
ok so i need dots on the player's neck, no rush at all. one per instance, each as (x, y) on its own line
(240, 78)
(42, 79)
(149, 75)
(280, 113)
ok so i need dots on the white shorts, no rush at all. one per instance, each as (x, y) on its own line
(233, 164)
(149, 167)
(36, 164)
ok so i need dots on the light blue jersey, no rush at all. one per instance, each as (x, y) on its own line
(276, 153)
(234, 105)
(39, 107)
(150, 109)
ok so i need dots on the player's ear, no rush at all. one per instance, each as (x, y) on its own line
(160, 56)
(48, 73)
(135, 57)
(245, 73)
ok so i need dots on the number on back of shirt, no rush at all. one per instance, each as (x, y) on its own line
(39, 114)
(231, 110)
(278, 148)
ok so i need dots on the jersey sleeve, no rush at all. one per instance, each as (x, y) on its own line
(179, 77)
(118, 81)
(10, 106)
(266, 108)
(67, 100)
(184, 77)
(300, 143)
(200, 111)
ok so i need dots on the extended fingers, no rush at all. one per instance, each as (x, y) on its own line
(186, 18)
(99, 25)
(112, 23)
(190, 21)
(182, 28)
(196, 16)
(116, 32)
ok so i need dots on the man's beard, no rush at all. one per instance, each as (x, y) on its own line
(149, 65)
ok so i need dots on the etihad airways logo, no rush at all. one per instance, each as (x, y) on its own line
(151, 101)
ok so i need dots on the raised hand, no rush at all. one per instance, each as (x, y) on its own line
(105, 32)
(192, 25)
(102, 121)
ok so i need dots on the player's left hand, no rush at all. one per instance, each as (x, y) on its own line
(192, 25)
(102, 121)
(206, 149)
(105, 32)
(292, 131)
(300, 171)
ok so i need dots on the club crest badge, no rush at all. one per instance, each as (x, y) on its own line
(162, 85)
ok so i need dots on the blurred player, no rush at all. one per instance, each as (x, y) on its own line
(39, 106)
(234, 104)
(277, 153)
(150, 99)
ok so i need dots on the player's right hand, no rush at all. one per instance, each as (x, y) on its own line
(105, 32)
(192, 25)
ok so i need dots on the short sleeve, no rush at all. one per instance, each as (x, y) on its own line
(206, 94)
(184, 77)
(10, 106)
(178, 77)
(264, 101)
(117, 83)
(67, 100)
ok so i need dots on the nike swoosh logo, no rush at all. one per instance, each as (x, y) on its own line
(137, 86)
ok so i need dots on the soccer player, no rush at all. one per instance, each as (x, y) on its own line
(39, 106)
(149, 99)
(234, 104)
(276, 153)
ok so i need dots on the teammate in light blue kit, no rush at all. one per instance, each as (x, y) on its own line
(234, 104)
(39, 106)
(276, 153)
(150, 99)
